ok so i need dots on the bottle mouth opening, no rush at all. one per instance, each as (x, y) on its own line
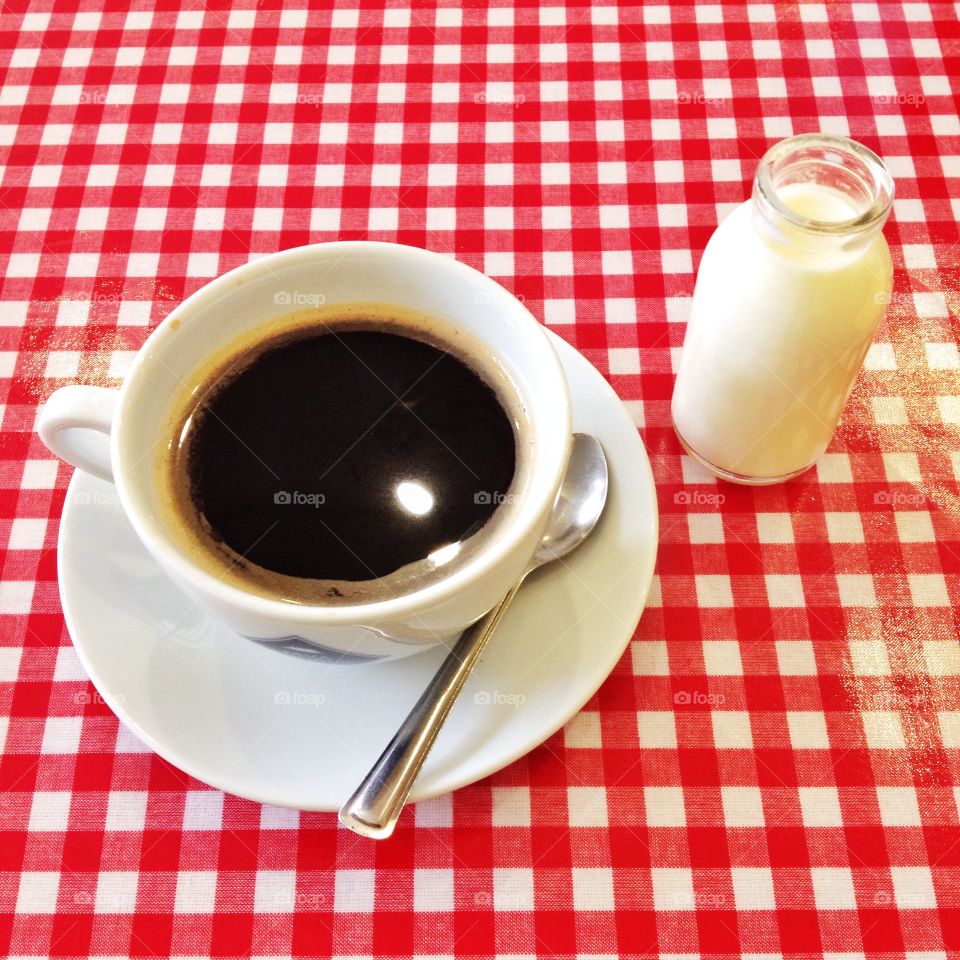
(838, 163)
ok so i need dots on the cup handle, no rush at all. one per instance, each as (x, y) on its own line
(75, 425)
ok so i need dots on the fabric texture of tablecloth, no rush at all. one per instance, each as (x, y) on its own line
(773, 767)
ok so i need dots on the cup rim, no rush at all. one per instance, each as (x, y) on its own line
(150, 529)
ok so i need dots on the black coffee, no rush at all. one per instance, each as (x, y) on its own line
(346, 455)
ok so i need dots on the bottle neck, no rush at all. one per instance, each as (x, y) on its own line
(820, 196)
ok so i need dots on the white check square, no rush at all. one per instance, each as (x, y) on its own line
(435, 812)
(714, 590)
(275, 891)
(753, 888)
(942, 657)
(722, 658)
(657, 729)
(898, 807)
(587, 806)
(869, 658)
(913, 888)
(511, 807)
(37, 892)
(808, 730)
(820, 807)
(433, 890)
(883, 730)
(796, 658)
(116, 891)
(742, 806)
(672, 888)
(353, 891)
(582, 732)
(731, 729)
(593, 888)
(50, 810)
(196, 891)
(126, 810)
(833, 888)
(513, 889)
(203, 810)
(664, 806)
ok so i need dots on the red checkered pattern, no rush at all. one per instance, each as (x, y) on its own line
(774, 768)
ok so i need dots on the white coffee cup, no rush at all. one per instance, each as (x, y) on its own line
(117, 435)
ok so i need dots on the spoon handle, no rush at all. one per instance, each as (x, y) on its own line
(378, 801)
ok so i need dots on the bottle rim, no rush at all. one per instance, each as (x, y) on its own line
(877, 180)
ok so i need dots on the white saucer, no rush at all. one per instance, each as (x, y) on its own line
(298, 733)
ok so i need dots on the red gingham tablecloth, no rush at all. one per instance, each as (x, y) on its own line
(773, 767)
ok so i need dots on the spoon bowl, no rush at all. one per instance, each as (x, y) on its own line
(579, 503)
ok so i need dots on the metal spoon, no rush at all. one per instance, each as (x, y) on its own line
(378, 801)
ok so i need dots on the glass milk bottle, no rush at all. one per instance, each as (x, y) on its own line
(790, 290)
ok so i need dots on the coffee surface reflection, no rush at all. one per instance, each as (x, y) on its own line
(345, 455)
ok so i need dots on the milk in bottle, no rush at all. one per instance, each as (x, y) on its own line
(790, 290)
